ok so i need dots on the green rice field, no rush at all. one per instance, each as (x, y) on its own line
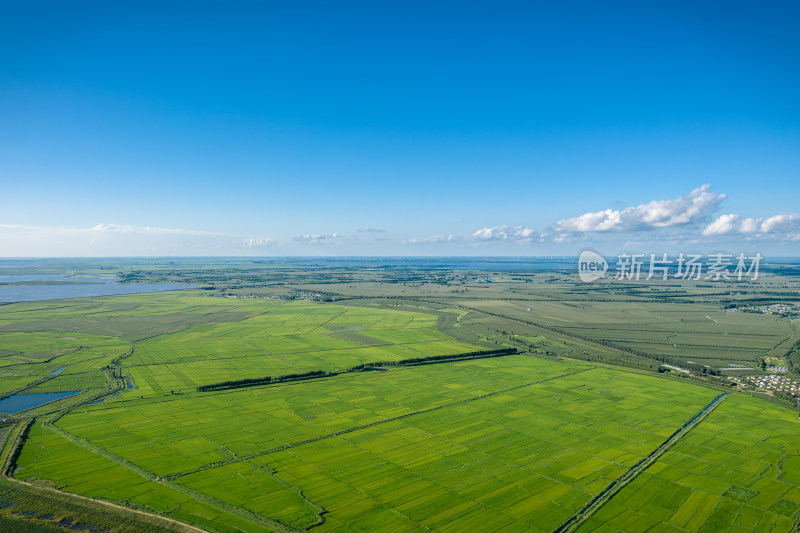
(697, 332)
(738, 471)
(513, 443)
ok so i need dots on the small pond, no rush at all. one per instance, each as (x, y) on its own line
(20, 402)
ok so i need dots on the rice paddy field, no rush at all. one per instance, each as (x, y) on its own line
(283, 339)
(728, 474)
(698, 332)
(514, 442)
(175, 342)
(520, 442)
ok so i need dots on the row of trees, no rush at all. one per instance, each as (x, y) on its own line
(435, 359)
(793, 358)
(252, 382)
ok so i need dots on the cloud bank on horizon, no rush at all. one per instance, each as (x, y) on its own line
(688, 220)
(673, 223)
(783, 226)
(691, 208)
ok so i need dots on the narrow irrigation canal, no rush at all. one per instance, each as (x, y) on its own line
(615, 486)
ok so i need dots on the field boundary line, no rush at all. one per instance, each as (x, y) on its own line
(553, 329)
(321, 324)
(139, 365)
(239, 511)
(17, 444)
(28, 386)
(365, 426)
(596, 344)
(593, 505)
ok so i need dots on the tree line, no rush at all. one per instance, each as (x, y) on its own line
(266, 380)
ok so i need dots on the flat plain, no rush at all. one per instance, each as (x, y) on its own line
(522, 442)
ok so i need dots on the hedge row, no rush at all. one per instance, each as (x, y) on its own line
(253, 382)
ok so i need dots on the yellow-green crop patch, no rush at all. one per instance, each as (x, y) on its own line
(284, 338)
(703, 333)
(416, 451)
(48, 456)
(513, 443)
(737, 471)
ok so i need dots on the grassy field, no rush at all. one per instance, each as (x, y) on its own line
(64, 361)
(702, 333)
(513, 443)
(283, 338)
(738, 471)
(178, 341)
(55, 461)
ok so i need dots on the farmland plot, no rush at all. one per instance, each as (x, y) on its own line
(511, 442)
(738, 471)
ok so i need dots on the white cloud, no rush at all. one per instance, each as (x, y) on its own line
(781, 223)
(102, 229)
(724, 224)
(519, 234)
(514, 234)
(367, 229)
(149, 229)
(786, 225)
(317, 239)
(119, 240)
(564, 237)
(258, 242)
(691, 208)
(434, 239)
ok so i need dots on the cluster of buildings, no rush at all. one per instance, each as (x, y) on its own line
(454, 278)
(292, 295)
(771, 309)
(493, 279)
(771, 382)
(307, 295)
(443, 278)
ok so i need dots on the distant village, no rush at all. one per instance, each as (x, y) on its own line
(782, 309)
(291, 295)
(770, 382)
(447, 278)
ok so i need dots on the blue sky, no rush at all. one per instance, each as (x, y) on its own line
(440, 128)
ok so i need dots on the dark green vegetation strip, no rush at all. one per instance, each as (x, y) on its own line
(365, 426)
(253, 382)
(618, 484)
(24, 525)
(793, 357)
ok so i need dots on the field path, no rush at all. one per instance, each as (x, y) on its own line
(7, 465)
(365, 426)
(618, 484)
(87, 445)
(276, 356)
(559, 331)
